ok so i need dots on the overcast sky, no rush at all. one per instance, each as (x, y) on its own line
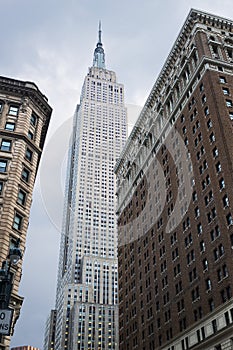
(51, 43)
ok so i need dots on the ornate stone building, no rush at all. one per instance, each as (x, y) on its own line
(24, 120)
(175, 200)
(87, 293)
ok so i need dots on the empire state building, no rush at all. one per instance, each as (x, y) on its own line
(87, 286)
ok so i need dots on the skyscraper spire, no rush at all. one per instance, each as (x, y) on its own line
(100, 32)
(99, 56)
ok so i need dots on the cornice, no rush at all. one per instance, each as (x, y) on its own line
(194, 17)
(25, 88)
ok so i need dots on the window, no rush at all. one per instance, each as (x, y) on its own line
(195, 294)
(199, 228)
(218, 167)
(215, 152)
(218, 252)
(222, 80)
(209, 124)
(25, 174)
(190, 257)
(208, 284)
(30, 135)
(203, 98)
(231, 238)
(229, 219)
(211, 304)
(215, 233)
(205, 264)
(229, 103)
(1, 188)
(193, 275)
(28, 154)
(201, 87)
(21, 197)
(33, 119)
(212, 137)
(10, 126)
(5, 145)
(225, 91)
(225, 201)
(3, 165)
(202, 246)
(221, 183)
(222, 273)
(230, 53)
(182, 118)
(18, 220)
(226, 294)
(13, 110)
(206, 111)
(215, 52)
(194, 196)
(197, 212)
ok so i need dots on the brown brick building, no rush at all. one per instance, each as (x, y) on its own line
(175, 200)
(24, 120)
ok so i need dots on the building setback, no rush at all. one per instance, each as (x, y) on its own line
(86, 300)
(24, 120)
(175, 200)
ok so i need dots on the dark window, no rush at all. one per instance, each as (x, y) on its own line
(203, 98)
(221, 183)
(229, 103)
(199, 228)
(17, 224)
(3, 165)
(30, 135)
(218, 167)
(33, 119)
(209, 124)
(21, 197)
(10, 126)
(222, 80)
(1, 188)
(25, 174)
(212, 137)
(215, 152)
(229, 219)
(5, 145)
(225, 201)
(208, 284)
(211, 304)
(201, 87)
(206, 110)
(13, 110)
(28, 154)
(205, 264)
(231, 237)
(225, 91)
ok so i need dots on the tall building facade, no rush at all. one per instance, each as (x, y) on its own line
(24, 120)
(86, 301)
(175, 200)
(50, 329)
